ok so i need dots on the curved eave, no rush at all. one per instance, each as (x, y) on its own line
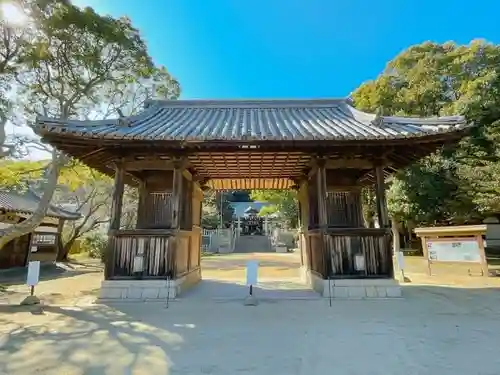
(61, 131)
(251, 121)
(54, 215)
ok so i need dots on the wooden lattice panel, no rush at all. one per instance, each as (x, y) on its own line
(250, 184)
(249, 165)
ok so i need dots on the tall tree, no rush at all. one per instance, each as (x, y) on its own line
(79, 188)
(67, 64)
(285, 202)
(431, 79)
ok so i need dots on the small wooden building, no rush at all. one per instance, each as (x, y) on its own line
(326, 149)
(42, 244)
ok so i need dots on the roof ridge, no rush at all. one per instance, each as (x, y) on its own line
(242, 103)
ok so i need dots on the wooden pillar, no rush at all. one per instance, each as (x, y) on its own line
(383, 215)
(114, 223)
(117, 198)
(323, 253)
(142, 206)
(321, 198)
(177, 193)
(177, 186)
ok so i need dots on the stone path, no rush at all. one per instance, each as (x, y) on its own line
(224, 278)
(289, 289)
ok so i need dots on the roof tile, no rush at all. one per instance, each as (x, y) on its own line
(294, 120)
(27, 202)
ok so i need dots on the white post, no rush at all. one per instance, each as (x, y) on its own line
(238, 229)
(266, 227)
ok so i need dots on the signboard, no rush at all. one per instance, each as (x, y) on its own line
(252, 272)
(454, 250)
(33, 273)
(359, 263)
(401, 260)
(138, 265)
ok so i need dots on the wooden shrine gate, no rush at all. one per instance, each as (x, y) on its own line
(324, 149)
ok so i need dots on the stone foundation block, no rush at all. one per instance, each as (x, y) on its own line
(150, 290)
(353, 288)
(357, 292)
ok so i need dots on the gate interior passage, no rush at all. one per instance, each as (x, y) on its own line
(325, 149)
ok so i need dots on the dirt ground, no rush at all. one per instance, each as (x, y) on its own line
(79, 283)
(434, 329)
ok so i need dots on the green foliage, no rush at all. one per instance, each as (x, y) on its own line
(453, 185)
(70, 62)
(95, 245)
(14, 174)
(220, 200)
(19, 173)
(210, 216)
(268, 210)
(285, 201)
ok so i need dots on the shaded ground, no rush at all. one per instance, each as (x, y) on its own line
(68, 285)
(433, 330)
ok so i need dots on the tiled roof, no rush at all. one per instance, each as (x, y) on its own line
(27, 202)
(203, 120)
(240, 208)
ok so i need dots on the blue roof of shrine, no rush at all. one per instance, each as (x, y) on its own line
(240, 207)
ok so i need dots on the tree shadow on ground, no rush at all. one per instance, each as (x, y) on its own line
(47, 272)
(113, 342)
(121, 338)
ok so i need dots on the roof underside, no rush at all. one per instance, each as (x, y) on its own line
(295, 120)
(260, 144)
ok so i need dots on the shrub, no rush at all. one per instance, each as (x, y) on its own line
(77, 247)
(96, 245)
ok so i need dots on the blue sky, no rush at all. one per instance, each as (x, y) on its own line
(293, 48)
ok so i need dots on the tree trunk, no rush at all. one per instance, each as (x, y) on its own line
(62, 255)
(28, 225)
(5, 150)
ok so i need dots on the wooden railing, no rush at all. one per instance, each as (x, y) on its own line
(352, 252)
(344, 209)
(153, 246)
(155, 211)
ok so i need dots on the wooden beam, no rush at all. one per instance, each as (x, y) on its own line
(141, 165)
(346, 163)
(382, 212)
(116, 210)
